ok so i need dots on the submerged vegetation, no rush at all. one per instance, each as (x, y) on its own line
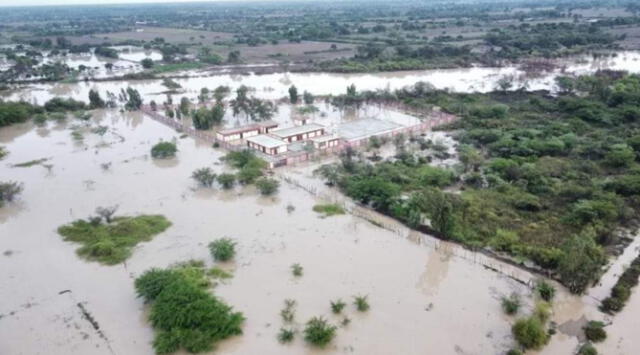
(329, 209)
(164, 150)
(9, 191)
(542, 178)
(223, 249)
(621, 291)
(184, 313)
(110, 241)
(319, 332)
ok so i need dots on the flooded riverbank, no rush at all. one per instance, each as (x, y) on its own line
(275, 86)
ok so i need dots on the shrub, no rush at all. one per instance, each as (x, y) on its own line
(183, 313)
(226, 180)
(286, 335)
(204, 176)
(267, 186)
(9, 191)
(594, 331)
(297, 270)
(337, 306)
(329, 209)
(514, 352)
(545, 290)
(112, 243)
(511, 304)
(222, 249)
(361, 303)
(530, 333)
(288, 313)
(318, 332)
(587, 349)
(164, 150)
(621, 292)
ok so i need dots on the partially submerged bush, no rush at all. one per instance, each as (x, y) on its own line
(361, 303)
(164, 150)
(621, 292)
(545, 290)
(530, 333)
(319, 332)
(226, 180)
(9, 191)
(288, 313)
(267, 186)
(511, 304)
(112, 243)
(222, 249)
(204, 176)
(329, 209)
(337, 306)
(594, 331)
(297, 270)
(183, 313)
(286, 335)
(587, 349)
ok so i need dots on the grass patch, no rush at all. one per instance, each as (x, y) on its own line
(111, 243)
(217, 272)
(183, 313)
(329, 209)
(30, 163)
(288, 313)
(319, 332)
(337, 306)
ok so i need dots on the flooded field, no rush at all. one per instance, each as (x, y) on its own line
(275, 86)
(426, 296)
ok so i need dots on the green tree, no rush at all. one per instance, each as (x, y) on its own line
(95, 101)
(147, 63)
(582, 259)
(293, 94)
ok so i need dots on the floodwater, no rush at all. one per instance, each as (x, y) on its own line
(275, 86)
(426, 296)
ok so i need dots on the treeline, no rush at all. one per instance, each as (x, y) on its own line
(541, 178)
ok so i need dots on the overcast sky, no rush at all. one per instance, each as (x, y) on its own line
(76, 2)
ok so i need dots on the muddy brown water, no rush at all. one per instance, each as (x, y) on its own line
(423, 300)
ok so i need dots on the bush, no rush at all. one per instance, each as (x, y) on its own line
(204, 176)
(297, 270)
(9, 191)
(587, 349)
(286, 335)
(337, 306)
(222, 249)
(164, 150)
(530, 333)
(267, 186)
(621, 292)
(318, 332)
(545, 290)
(511, 304)
(361, 303)
(183, 313)
(112, 243)
(594, 331)
(226, 180)
(330, 209)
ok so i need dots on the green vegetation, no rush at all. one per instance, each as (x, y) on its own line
(226, 180)
(337, 306)
(204, 176)
(9, 191)
(172, 67)
(594, 331)
(134, 100)
(319, 332)
(183, 313)
(587, 349)
(545, 290)
(297, 270)
(58, 104)
(111, 241)
(205, 118)
(361, 303)
(288, 313)
(250, 167)
(164, 150)
(286, 335)
(511, 304)
(329, 209)
(530, 333)
(223, 249)
(548, 179)
(267, 186)
(217, 272)
(15, 112)
(621, 291)
(3, 152)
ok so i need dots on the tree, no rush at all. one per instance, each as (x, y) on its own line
(307, 97)
(267, 186)
(351, 90)
(204, 176)
(185, 104)
(505, 83)
(582, 259)
(234, 57)
(147, 63)
(226, 180)
(204, 118)
(293, 94)
(134, 100)
(95, 101)
(107, 212)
